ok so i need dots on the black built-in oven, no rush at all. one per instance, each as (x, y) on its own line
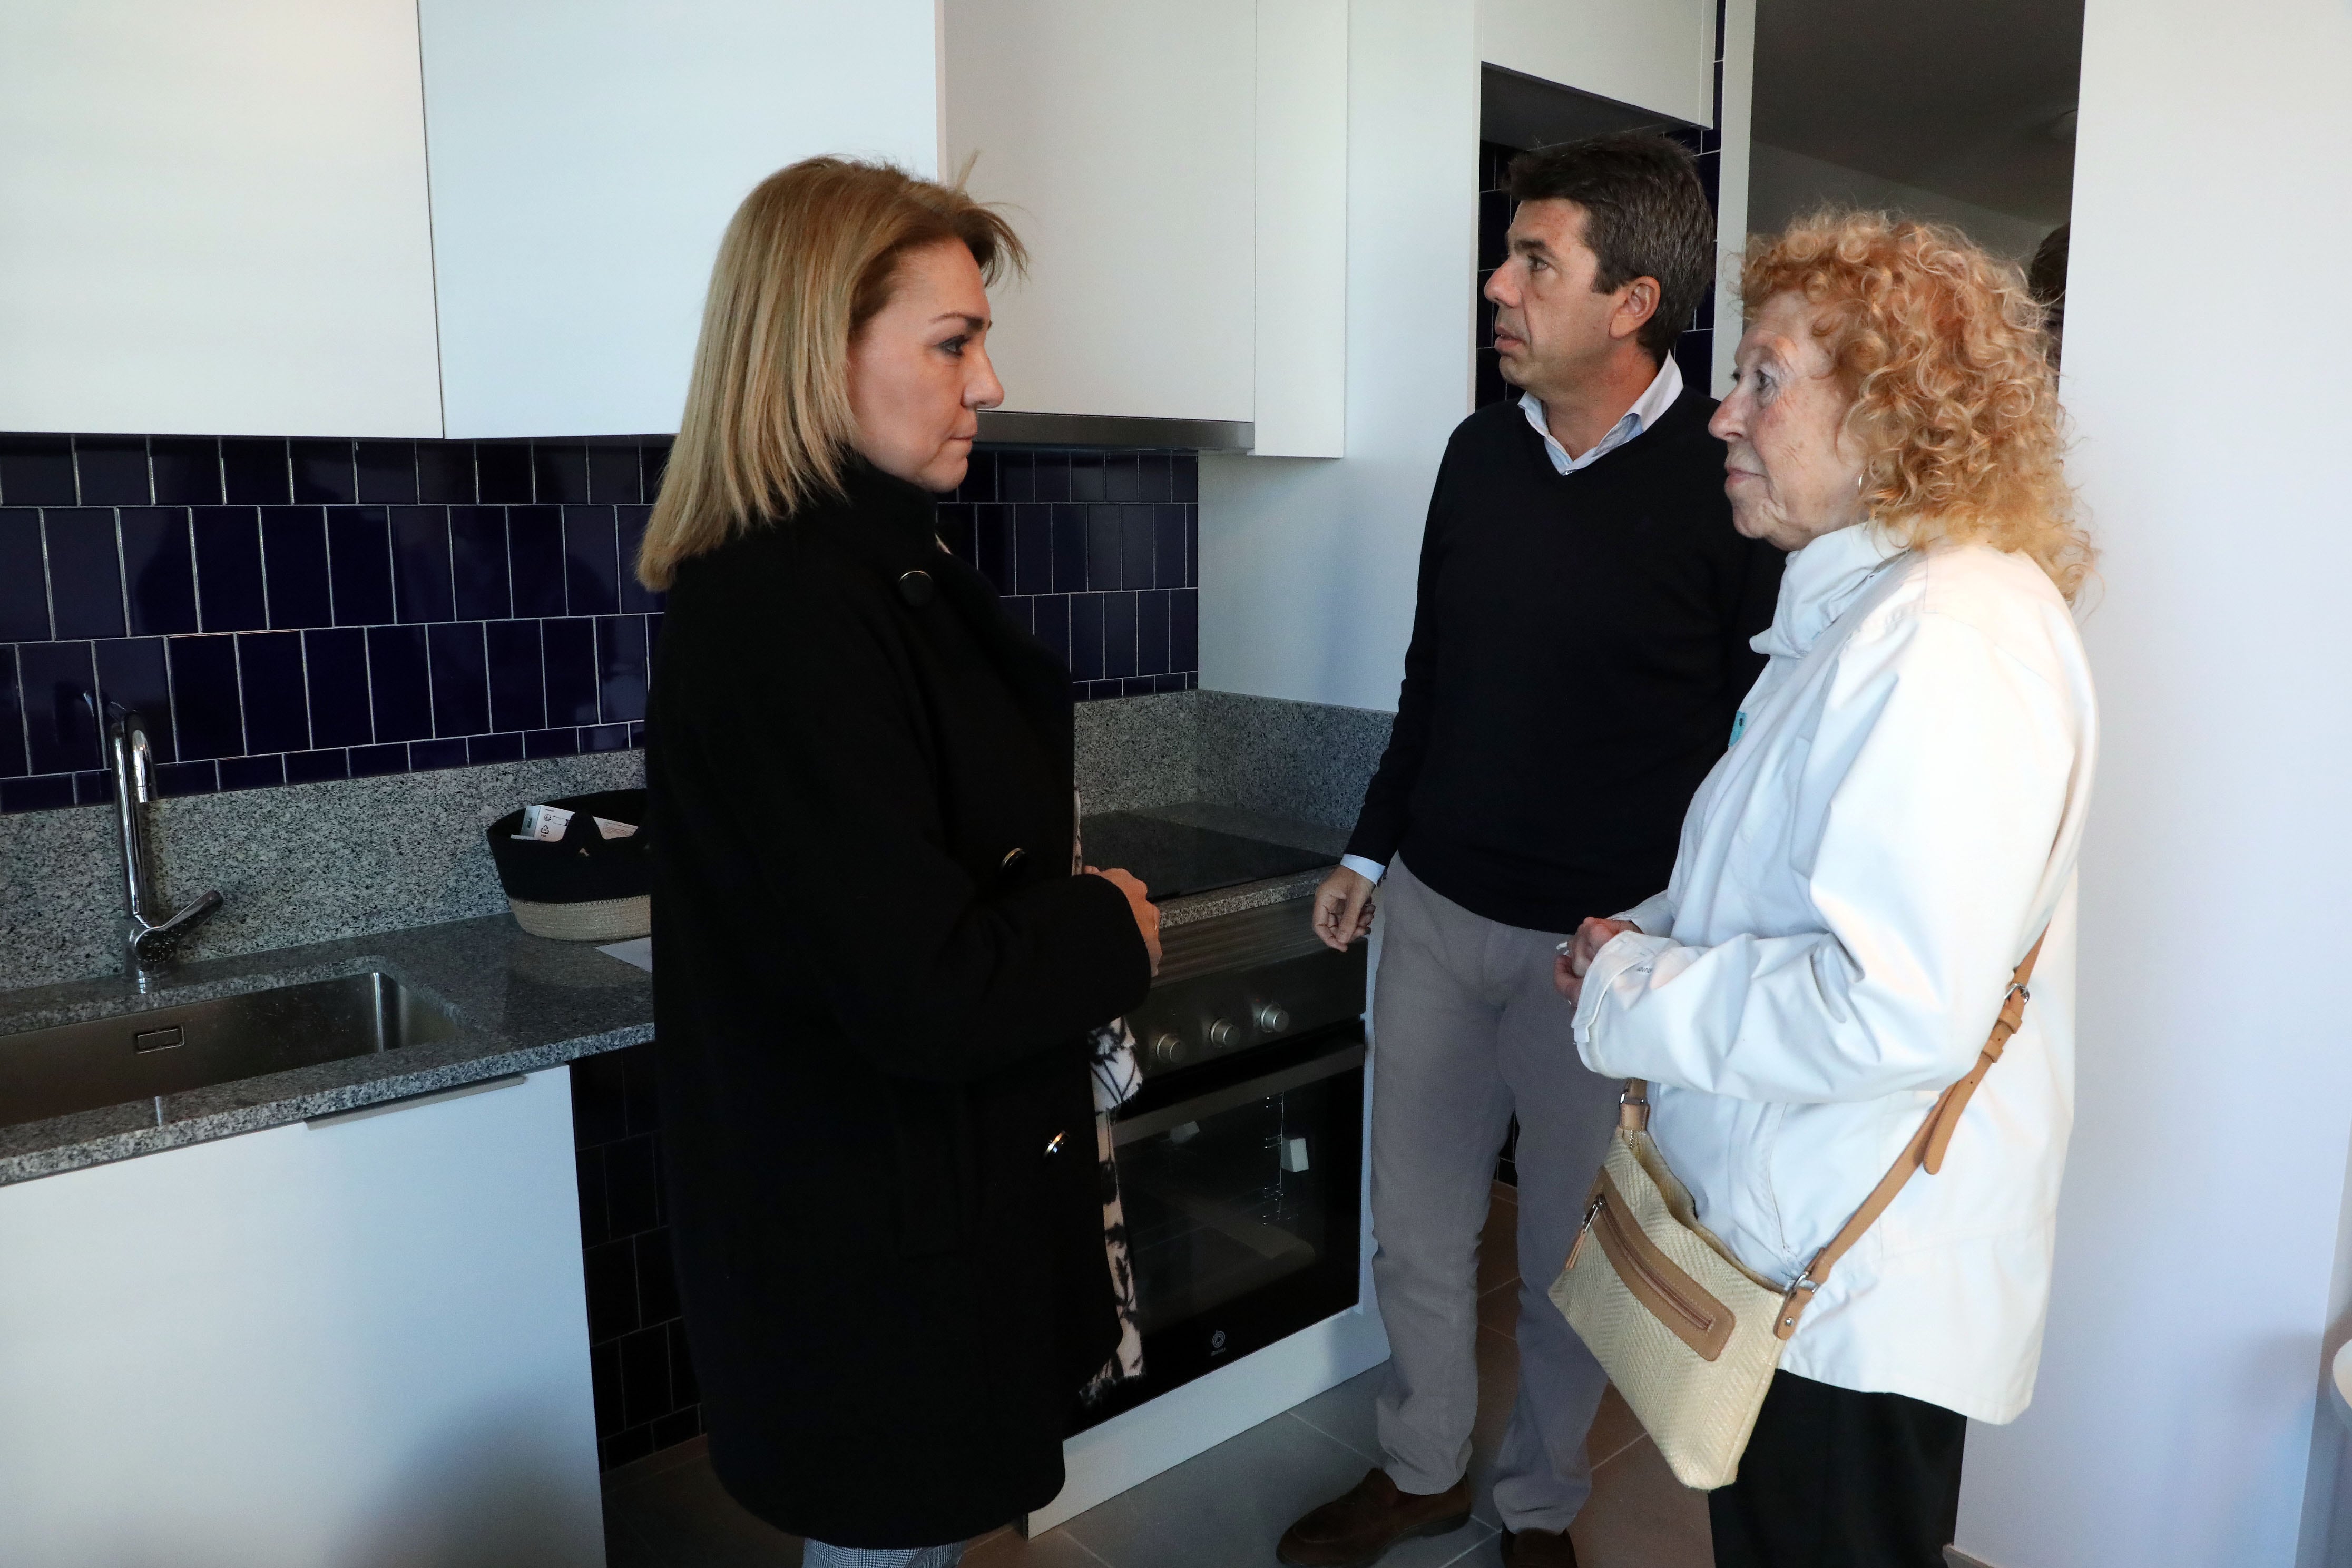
(1240, 1160)
(1242, 1192)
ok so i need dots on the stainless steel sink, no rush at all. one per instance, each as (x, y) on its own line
(166, 1050)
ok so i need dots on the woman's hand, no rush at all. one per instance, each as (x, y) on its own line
(1575, 961)
(1146, 912)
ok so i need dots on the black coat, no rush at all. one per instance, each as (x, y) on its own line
(874, 975)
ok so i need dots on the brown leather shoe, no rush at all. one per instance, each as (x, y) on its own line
(1537, 1549)
(1352, 1531)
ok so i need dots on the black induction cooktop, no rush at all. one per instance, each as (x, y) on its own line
(1176, 858)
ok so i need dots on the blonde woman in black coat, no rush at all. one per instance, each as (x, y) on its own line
(875, 972)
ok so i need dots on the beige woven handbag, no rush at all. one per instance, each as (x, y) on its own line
(1688, 1333)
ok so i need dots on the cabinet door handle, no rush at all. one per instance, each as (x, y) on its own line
(409, 1101)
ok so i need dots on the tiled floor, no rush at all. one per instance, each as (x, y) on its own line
(1224, 1509)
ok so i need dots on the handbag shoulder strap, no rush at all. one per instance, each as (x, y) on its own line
(1927, 1148)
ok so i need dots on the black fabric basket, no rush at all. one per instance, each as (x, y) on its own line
(583, 887)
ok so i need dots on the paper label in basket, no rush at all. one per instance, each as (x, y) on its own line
(544, 823)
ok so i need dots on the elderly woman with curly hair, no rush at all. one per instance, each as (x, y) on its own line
(1893, 830)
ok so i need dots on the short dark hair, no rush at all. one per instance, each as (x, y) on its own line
(1645, 216)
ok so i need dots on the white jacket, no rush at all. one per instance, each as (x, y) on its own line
(1897, 820)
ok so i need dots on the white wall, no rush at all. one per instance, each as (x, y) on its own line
(1784, 184)
(212, 219)
(2197, 1227)
(1306, 565)
(586, 155)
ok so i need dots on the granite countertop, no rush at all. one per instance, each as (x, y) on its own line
(521, 1003)
(1242, 895)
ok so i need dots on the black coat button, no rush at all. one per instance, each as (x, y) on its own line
(1012, 858)
(917, 588)
(1053, 1144)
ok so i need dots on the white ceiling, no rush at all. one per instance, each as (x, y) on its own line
(1957, 99)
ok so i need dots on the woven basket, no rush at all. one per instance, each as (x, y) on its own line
(583, 887)
(600, 920)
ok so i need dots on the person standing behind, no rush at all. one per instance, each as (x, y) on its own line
(1578, 653)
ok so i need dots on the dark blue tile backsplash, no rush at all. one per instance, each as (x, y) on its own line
(1098, 554)
(289, 611)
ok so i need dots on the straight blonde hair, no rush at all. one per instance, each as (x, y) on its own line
(807, 259)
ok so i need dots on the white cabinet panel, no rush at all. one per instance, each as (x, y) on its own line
(1301, 308)
(1652, 53)
(1120, 137)
(586, 155)
(357, 1342)
(212, 218)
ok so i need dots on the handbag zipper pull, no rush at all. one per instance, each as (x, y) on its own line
(1583, 1232)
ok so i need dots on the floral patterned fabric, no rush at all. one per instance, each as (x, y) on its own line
(1118, 1074)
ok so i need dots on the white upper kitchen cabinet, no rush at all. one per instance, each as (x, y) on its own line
(586, 155)
(212, 218)
(1652, 53)
(1300, 374)
(1120, 137)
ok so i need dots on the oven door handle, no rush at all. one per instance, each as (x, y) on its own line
(1153, 1122)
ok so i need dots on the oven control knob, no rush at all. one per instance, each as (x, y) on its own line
(1224, 1035)
(1167, 1051)
(1273, 1017)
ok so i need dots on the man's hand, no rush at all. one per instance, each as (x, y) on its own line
(1146, 912)
(1568, 970)
(1343, 909)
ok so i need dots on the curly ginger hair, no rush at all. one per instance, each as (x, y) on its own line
(1944, 354)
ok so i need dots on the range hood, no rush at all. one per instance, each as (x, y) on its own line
(1009, 428)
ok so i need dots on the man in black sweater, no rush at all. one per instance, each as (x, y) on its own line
(1579, 650)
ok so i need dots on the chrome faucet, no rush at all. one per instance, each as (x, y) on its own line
(133, 762)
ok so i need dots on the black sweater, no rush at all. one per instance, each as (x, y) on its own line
(1579, 650)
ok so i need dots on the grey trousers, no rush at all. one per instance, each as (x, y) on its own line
(1466, 1029)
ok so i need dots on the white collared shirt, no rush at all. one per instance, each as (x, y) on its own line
(1647, 409)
